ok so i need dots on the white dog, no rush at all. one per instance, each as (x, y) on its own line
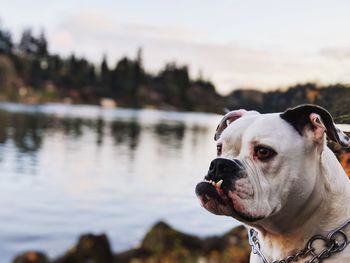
(275, 173)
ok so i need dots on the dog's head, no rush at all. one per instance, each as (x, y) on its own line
(266, 163)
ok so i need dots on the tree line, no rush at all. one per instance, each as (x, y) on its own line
(27, 67)
(335, 98)
(30, 73)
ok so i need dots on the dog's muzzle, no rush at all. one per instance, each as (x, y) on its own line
(222, 171)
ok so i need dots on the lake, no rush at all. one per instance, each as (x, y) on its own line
(68, 170)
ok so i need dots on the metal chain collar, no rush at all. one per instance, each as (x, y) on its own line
(335, 242)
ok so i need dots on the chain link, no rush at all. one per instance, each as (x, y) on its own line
(335, 242)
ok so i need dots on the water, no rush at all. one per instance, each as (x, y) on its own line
(68, 170)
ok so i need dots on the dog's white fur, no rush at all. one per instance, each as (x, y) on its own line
(303, 191)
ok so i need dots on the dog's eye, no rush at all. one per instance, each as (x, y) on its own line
(264, 153)
(219, 149)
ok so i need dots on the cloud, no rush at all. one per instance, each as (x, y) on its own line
(228, 65)
(90, 26)
(340, 53)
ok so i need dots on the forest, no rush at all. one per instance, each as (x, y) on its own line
(29, 73)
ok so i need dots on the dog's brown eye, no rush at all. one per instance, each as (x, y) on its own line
(219, 149)
(264, 153)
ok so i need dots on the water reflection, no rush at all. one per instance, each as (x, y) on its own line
(25, 131)
(28, 131)
(170, 134)
(102, 171)
(126, 133)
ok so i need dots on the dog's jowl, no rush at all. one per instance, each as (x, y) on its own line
(275, 174)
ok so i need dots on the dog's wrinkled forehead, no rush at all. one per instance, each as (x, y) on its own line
(267, 129)
(236, 129)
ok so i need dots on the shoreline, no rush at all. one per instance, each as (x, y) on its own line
(161, 243)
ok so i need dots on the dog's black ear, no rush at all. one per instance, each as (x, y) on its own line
(316, 119)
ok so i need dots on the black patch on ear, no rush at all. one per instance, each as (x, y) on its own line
(298, 117)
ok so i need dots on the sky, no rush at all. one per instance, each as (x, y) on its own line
(234, 43)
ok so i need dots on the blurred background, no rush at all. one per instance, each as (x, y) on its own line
(108, 110)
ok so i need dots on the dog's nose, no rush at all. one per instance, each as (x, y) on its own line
(220, 167)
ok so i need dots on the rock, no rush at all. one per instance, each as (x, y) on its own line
(162, 238)
(90, 249)
(31, 257)
(133, 255)
(165, 244)
(232, 247)
(162, 244)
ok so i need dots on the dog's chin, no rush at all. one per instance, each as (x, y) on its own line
(219, 202)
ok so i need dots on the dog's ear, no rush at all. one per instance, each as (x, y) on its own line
(228, 119)
(315, 120)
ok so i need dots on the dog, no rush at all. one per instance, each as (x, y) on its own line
(275, 174)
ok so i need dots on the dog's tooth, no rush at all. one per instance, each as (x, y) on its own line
(218, 184)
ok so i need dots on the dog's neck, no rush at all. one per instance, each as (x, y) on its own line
(324, 210)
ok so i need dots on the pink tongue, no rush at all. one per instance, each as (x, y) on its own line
(222, 194)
